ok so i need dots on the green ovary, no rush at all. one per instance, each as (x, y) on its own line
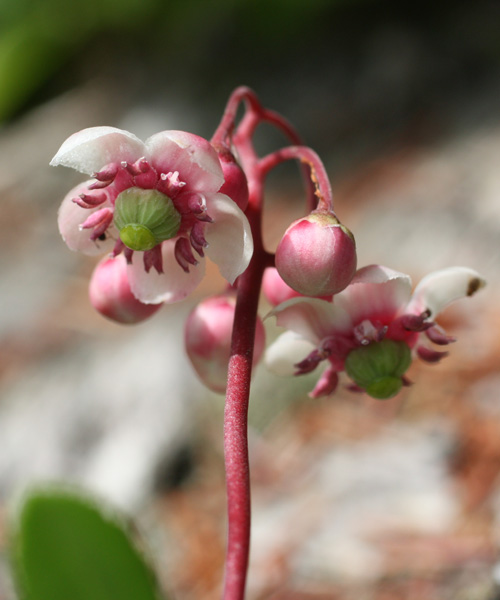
(378, 367)
(145, 218)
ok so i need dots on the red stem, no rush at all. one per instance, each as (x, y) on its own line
(242, 345)
(248, 289)
(235, 432)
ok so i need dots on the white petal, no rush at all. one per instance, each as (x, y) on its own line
(191, 155)
(289, 349)
(439, 288)
(170, 286)
(375, 293)
(91, 149)
(71, 216)
(229, 237)
(312, 318)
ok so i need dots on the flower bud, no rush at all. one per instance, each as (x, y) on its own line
(235, 182)
(110, 293)
(207, 337)
(317, 255)
(378, 367)
(275, 289)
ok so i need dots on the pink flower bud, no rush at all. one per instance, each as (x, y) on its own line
(110, 293)
(235, 182)
(317, 255)
(275, 289)
(208, 340)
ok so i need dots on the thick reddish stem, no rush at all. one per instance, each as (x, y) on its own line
(240, 362)
(235, 432)
(242, 345)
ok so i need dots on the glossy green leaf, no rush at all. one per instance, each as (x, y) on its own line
(67, 547)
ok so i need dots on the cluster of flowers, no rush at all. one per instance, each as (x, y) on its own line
(159, 206)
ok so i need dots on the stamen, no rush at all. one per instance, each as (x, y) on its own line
(367, 332)
(437, 335)
(99, 185)
(99, 221)
(429, 355)
(336, 348)
(90, 200)
(417, 322)
(153, 258)
(183, 254)
(146, 176)
(170, 184)
(95, 219)
(197, 238)
(197, 204)
(107, 174)
(127, 252)
(141, 165)
(118, 248)
(309, 363)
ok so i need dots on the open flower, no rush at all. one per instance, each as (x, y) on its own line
(369, 330)
(158, 203)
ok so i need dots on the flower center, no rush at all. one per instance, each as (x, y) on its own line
(145, 218)
(378, 367)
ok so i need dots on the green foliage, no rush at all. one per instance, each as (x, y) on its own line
(65, 546)
(38, 37)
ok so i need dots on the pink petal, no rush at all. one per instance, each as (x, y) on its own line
(229, 237)
(194, 158)
(439, 288)
(375, 293)
(312, 318)
(170, 286)
(91, 149)
(71, 216)
(289, 349)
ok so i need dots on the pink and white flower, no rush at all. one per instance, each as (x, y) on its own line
(170, 185)
(369, 330)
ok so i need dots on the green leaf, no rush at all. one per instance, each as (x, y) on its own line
(66, 547)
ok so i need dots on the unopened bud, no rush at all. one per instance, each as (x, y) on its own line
(110, 293)
(275, 289)
(378, 368)
(235, 182)
(207, 337)
(317, 255)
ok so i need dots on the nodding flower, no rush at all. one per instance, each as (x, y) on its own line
(156, 202)
(370, 330)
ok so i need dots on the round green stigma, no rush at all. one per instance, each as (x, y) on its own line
(145, 218)
(138, 237)
(379, 367)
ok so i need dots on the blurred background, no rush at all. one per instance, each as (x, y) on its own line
(353, 498)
